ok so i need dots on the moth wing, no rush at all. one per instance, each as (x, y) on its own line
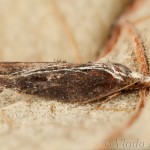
(59, 81)
(7, 68)
(68, 85)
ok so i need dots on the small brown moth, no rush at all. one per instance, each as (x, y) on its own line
(70, 82)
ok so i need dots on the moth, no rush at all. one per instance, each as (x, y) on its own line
(70, 82)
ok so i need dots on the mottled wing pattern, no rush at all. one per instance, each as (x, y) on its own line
(65, 81)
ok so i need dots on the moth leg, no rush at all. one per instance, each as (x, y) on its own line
(108, 99)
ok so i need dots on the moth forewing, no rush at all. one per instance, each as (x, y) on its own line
(66, 81)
